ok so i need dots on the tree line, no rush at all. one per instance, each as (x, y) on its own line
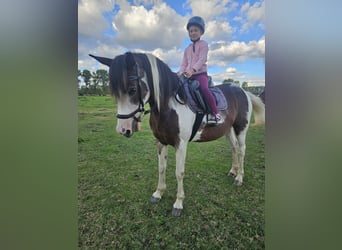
(93, 83)
(97, 83)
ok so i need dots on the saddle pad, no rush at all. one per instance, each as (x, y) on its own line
(221, 102)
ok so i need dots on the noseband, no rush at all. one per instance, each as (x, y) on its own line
(141, 102)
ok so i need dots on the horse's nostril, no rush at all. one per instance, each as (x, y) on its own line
(123, 130)
(128, 133)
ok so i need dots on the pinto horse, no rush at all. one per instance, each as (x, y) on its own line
(137, 79)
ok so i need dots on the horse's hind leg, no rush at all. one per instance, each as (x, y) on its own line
(241, 156)
(238, 149)
(162, 164)
(231, 137)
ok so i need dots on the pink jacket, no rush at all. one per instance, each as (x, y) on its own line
(195, 60)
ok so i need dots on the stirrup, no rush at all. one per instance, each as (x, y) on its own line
(217, 119)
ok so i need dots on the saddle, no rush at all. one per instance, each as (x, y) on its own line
(195, 99)
(196, 102)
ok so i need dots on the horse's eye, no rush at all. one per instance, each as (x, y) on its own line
(132, 91)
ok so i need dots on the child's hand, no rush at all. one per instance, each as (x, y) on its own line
(189, 73)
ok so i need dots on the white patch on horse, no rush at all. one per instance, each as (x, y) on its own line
(155, 77)
(125, 107)
(186, 116)
(148, 94)
(198, 134)
(250, 107)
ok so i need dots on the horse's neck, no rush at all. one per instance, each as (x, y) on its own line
(164, 96)
(157, 110)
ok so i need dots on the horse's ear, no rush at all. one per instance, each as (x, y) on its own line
(103, 60)
(130, 62)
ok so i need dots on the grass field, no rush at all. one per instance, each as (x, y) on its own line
(117, 176)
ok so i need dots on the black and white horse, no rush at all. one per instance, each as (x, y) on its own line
(137, 79)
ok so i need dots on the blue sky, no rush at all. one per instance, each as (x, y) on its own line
(235, 32)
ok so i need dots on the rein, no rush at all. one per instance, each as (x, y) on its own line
(141, 102)
(180, 89)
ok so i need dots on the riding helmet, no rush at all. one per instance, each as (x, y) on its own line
(197, 21)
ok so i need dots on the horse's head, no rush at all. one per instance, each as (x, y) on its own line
(128, 83)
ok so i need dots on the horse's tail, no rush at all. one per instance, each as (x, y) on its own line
(258, 109)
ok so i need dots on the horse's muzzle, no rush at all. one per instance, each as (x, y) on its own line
(128, 133)
(125, 132)
(127, 127)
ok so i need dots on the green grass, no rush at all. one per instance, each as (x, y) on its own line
(117, 176)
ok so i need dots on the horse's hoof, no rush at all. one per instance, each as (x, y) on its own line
(238, 183)
(176, 211)
(231, 174)
(154, 199)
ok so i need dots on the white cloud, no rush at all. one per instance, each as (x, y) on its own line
(238, 19)
(245, 7)
(100, 49)
(252, 14)
(138, 27)
(237, 75)
(145, 2)
(91, 21)
(209, 9)
(218, 31)
(107, 50)
(231, 70)
(223, 53)
(256, 12)
(255, 81)
(172, 57)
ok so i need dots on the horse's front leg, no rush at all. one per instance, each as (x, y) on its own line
(162, 164)
(180, 162)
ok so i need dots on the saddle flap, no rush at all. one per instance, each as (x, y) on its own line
(195, 91)
(195, 99)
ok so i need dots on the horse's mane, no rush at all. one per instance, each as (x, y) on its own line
(165, 87)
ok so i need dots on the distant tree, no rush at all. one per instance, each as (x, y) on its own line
(104, 79)
(83, 90)
(100, 80)
(244, 85)
(256, 90)
(96, 83)
(79, 74)
(86, 75)
(95, 80)
(229, 80)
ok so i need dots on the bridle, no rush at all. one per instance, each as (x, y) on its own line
(140, 108)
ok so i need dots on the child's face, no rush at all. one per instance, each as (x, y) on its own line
(194, 32)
